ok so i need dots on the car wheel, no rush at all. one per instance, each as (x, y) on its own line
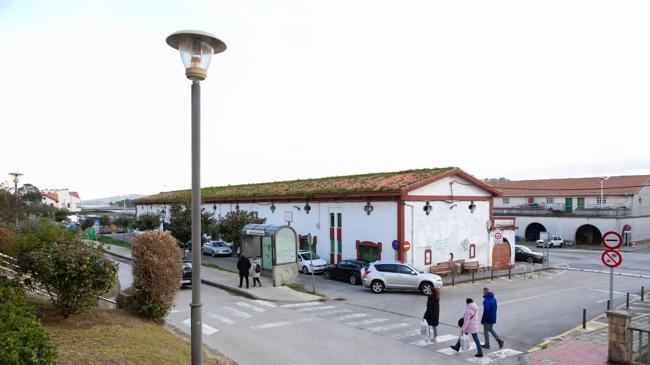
(353, 280)
(377, 287)
(426, 287)
(530, 260)
(305, 270)
(326, 275)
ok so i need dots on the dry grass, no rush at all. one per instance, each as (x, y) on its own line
(113, 336)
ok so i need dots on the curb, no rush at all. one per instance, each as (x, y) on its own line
(119, 256)
(469, 280)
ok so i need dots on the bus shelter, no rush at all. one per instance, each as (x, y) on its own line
(277, 249)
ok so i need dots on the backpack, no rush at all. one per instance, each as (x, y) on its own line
(257, 268)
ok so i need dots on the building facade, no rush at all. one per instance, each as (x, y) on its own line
(62, 199)
(419, 217)
(580, 210)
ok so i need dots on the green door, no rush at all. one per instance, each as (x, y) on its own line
(369, 254)
(568, 205)
(581, 203)
(267, 253)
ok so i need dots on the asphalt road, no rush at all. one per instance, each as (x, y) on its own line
(633, 262)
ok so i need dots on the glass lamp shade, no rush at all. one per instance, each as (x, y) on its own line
(196, 49)
(195, 53)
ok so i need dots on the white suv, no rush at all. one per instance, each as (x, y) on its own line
(305, 263)
(391, 275)
(555, 241)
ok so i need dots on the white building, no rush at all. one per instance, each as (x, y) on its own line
(442, 213)
(62, 199)
(573, 208)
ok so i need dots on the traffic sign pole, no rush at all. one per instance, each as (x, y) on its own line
(611, 286)
(611, 258)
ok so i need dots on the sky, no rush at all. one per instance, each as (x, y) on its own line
(94, 100)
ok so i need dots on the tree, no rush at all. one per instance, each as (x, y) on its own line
(231, 225)
(30, 194)
(7, 206)
(61, 214)
(157, 269)
(148, 222)
(105, 221)
(124, 221)
(180, 223)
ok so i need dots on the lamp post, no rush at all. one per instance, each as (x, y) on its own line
(602, 187)
(196, 49)
(16, 178)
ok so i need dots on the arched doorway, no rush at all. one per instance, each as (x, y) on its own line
(501, 255)
(533, 230)
(588, 235)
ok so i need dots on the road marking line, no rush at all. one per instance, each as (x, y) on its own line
(479, 360)
(386, 328)
(251, 307)
(221, 318)
(270, 325)
(614, 292)
(265, 303)
(338, 311)
(367, 321)
(449, 351)
(502, 354)
(351, 316)
(206, 329)
(298, 305)
(237, 312)
(422, 343)
(399, 336)
(541, 295)
(446, 338)
(312, 309)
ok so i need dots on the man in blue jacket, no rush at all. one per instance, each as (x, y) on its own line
(489, 318)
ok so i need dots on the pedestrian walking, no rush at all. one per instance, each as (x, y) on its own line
(243, 265)
(469, 326)
(489, 318)
(256, 272)
(432, 313)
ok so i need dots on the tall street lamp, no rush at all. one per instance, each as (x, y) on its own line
(602, 188)
(196, 50)
(16, 176)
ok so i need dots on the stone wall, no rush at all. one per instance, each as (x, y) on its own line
(618, 351)
(285, 274)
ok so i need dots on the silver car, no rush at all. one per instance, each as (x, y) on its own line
(216, 248)
(391, 275)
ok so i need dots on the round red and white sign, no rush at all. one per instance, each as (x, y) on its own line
(498, 236)
(406, 246)
(611, 258)
(612, 240)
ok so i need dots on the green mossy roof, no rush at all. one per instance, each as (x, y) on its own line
(337, 185)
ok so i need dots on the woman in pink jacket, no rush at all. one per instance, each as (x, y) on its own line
(470, 326)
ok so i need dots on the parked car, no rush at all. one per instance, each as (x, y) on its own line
(305, 263)
(555, 241)
(523, 253)
(346, 270)
(390, 275)
(186, 278)
(216, 248)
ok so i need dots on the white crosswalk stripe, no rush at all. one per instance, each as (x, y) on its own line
(351, 316)
(422, 343)
(338, 311)
(251, 307)
(367, 321)
(206, 329)
(387, 327)
(298, 305)
(411, 333)
(449, 351)
(270, 325)
(237, 312)
(445, 338)
(221, 318)
(314, 309)
(265, 303)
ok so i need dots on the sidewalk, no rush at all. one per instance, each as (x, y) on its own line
(519, 269)
(228, 281)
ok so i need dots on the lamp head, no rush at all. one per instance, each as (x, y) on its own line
(16, 176)
(196, 49)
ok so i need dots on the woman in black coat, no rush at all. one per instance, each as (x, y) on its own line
(432, 313)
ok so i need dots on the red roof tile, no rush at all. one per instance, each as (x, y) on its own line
(53, 196)
(75, 194)
(614, 185)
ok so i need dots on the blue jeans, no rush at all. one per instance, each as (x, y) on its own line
(479, 349)
(433, 331)
(487, 329)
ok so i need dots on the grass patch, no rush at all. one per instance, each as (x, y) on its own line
(217, 267)
(114, 336)
(113, 241)
(300, 287)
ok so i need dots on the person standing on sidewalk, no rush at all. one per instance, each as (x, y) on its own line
(243, 265)
(256, 271)
(469, 326)
(489, 318)
(432, 313)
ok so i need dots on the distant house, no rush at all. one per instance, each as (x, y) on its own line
(419, 217)
(62, 199)
(578, 209)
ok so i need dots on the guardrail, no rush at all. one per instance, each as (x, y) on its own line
(636, 357)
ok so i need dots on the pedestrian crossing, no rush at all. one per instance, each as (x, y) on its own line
(253, 313)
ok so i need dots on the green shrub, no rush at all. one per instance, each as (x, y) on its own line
(157, 270)
(148, 222)
(22, 339)
(34, 234)
(72, 273)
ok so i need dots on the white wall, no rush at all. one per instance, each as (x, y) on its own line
(567, 226)
(441, 187)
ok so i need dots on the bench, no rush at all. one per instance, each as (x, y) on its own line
(441, 268)
(471, 266)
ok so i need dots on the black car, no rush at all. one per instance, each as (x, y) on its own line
(346, 270)
(523, 253)
(186, 278)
